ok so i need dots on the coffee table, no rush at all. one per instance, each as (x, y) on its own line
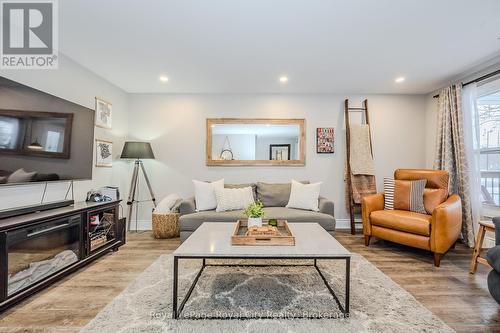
(212, 240)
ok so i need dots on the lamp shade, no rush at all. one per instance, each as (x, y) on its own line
(137, 150)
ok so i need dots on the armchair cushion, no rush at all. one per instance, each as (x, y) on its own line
(435, 178)
(402, 220)
(433, 198)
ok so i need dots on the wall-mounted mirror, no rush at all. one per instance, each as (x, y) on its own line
(235, 141)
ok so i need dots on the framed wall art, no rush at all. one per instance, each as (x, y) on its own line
(325, 140)
(279, 152)
(103, 113)
(104, 153)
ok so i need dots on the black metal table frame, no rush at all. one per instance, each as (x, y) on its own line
(176, 311)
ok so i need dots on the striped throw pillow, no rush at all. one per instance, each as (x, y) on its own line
(417, 196)
(389, 184)
(405, 195)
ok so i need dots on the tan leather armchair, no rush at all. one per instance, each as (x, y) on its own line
(436, 231)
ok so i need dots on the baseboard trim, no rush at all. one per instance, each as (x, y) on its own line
(345, 224)
(341, 224)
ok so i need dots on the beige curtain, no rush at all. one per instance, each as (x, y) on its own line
(451, 153)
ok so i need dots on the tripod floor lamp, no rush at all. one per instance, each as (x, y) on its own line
(137, 151)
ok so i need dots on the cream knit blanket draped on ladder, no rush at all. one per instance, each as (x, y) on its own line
(361, 155)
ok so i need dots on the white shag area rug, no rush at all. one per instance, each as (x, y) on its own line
(378, 304)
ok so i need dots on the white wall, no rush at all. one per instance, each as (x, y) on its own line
(175, 125)
(76, 84)
(430, 129)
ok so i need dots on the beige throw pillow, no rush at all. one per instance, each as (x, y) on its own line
(233, 198)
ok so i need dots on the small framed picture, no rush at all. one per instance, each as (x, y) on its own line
(103, 153)
(279, 152)
(103, 113)
(325, 140)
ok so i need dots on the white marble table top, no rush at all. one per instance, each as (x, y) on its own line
(213, 239)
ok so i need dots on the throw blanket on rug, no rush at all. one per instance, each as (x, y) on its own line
(361, 158)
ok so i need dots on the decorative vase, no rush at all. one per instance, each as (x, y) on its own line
(254, 221)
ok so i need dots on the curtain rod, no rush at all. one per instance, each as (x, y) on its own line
(482, 78)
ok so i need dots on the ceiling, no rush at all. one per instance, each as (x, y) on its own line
(244, 46)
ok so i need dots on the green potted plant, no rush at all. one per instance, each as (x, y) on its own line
(254, 212)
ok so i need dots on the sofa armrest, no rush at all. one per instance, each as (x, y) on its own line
(326, 206)
(370, 203)
(446, 224)
(188, 206)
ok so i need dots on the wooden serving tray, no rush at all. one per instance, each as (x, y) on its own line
(240, 237)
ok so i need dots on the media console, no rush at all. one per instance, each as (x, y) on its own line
(40, 248)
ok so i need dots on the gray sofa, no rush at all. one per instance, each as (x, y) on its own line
(273, 196)
(493, 257)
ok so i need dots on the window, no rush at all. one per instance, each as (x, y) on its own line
(52, 143)
(488, 109)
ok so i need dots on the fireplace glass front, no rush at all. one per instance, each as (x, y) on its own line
(37, 252)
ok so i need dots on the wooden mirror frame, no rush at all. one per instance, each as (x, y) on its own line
(218, 121)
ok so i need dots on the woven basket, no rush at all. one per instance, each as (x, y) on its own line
(166, 225)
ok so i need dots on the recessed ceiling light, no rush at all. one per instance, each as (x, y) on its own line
(400, 79)
(283, 79)
(163, 78)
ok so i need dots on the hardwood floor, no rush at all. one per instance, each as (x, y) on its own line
(460, 299)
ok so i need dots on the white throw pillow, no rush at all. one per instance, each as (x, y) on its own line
(304, 196)
(204, 194)
(166, 204)
(233, 198)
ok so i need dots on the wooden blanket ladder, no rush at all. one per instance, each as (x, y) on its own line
(364, 118)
